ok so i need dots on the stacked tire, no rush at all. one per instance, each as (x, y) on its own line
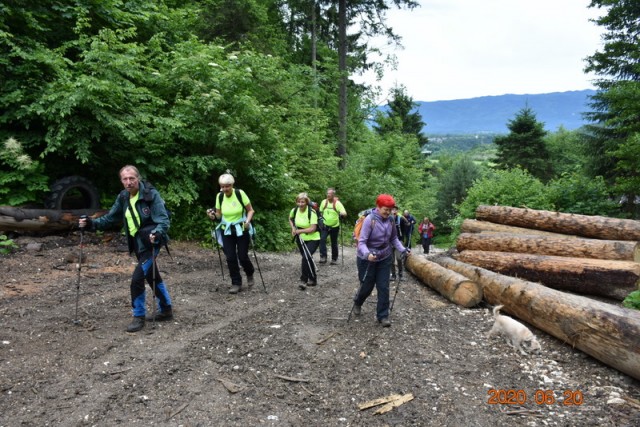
(73, 192)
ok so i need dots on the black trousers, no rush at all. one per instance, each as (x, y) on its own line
(333, 233)
(236, 250)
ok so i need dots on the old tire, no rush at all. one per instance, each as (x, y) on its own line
(73, 192)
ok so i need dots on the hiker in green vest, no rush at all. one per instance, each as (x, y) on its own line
(233, 209)
(332, 211)
(304, 228)
(146, 222)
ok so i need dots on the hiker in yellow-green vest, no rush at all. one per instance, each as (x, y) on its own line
(146, 222)
(234, 210)
(332, 211)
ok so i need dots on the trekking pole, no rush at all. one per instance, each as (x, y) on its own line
(76, 321)
(153, 284)
(306, 255)
(341, 244)
(253, 246)
(215, 243)
(366, 272)
(395, 294)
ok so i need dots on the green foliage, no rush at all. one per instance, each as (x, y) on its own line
(383, 164)
(524, 146)
(399, 117)
(613, 144)
(22, 179)
(514, 187)
(632, 300)
(454, 183)
(567, 151)
(577, 193)
(6, 245)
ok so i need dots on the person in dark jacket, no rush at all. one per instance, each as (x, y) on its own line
(146, 222)
(378, 238)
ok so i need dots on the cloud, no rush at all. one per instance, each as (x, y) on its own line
(456, 49)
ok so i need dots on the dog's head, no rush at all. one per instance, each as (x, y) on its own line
(532, 345)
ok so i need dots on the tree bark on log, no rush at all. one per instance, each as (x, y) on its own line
(42, 220)
(604, 331)
(475, 226)
(610, 279)
(453, 286)
(550, 245)
(597, 227)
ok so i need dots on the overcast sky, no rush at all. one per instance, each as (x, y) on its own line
(458, 49)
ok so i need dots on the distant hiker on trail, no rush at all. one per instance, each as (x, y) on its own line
(377, 238)
(146, 222)
(399, 221)
(426, 229)
(407, 230)
(304, 229)
(332, 211)
(233, 209)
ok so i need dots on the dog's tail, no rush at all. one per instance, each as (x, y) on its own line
(496, 310)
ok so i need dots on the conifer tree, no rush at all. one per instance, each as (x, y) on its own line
(524, 146)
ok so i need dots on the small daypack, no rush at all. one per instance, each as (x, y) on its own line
(357, 228)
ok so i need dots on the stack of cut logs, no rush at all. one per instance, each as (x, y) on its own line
(506, 251)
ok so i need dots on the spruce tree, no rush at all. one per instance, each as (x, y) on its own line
(524, 146)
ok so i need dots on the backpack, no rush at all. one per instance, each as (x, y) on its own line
(315, 207)
(357, 228)
(323, 204)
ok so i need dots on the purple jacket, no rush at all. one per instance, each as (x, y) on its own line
(378, 237)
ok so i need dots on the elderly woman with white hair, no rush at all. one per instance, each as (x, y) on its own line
(233, 209)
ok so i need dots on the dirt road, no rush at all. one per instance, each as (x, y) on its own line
(282, 358)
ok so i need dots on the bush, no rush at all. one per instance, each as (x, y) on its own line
(514, 187)
(576, 193)
(6, 245)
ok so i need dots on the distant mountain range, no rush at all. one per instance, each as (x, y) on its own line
(490, 114)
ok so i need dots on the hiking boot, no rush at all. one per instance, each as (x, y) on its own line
(234, 289)
(334, 262)
(357, 310)
(385, 322)
(136, 324)
(312, 283)
(250, 281)
(323, 260)
(302, 286)
(163, 316)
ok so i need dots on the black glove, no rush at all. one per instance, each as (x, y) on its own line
(88, 223)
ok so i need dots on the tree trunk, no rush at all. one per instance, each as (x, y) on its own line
(550, 245)
(42, 220)
(453, 286)
(475, 226)
(344, 79)
(611, 279)
(604, 331)
(597, 227)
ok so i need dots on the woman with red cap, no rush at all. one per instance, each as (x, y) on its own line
(377, 239)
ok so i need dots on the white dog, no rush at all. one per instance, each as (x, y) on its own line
(516, 333)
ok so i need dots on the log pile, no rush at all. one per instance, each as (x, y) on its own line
(42, 220)
(506, 250)
(590, 255)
